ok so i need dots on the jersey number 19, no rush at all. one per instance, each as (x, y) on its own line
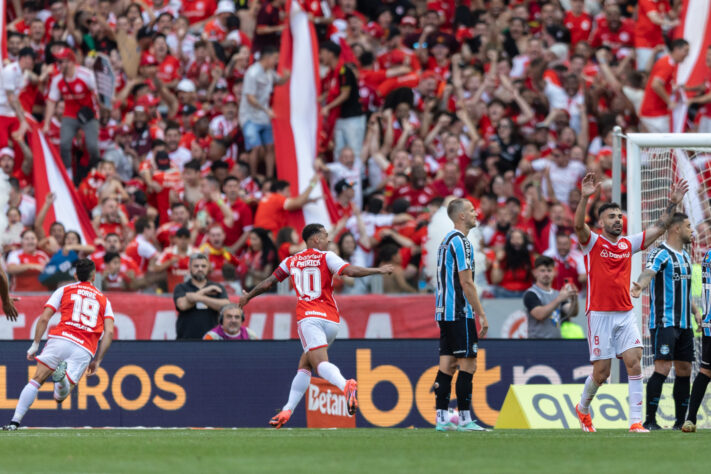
(86, 311)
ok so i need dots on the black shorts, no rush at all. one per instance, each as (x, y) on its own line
(673, 344)
(458, 338)
(706, 352)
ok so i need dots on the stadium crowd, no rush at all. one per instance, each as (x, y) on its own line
(505, 102)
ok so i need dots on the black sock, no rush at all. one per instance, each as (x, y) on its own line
(464, 391)
(654, 392)
(681, 397)
(697, 395)
(442, 389)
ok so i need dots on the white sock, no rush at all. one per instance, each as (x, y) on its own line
(589, 392)
(634, 384)
(442, 416)
(465, 417)
(299, 385)
(331, 373)
(62, 389)
(27, 398)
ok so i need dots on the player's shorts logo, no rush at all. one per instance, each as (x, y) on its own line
(475, 348)
(596, 352)
(622, 246)
(664, 350)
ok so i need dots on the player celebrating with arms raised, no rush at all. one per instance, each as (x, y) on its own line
(311, 272)
(612, 330)
(457, 302)
(704, 376)
(669, 269)
(86, 315)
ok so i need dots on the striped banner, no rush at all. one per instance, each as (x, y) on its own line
(50, 175)
(695, 28)
(297, 116)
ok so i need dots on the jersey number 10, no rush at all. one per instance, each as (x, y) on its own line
(307, 282)
(86, 311)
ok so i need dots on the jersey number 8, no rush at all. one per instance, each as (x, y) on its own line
(86, 311)
(307, 282)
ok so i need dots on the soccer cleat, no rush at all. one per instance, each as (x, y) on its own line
(677, 426)
(350, 390)
(471, 426)
(689, 427)
(59, 372)
(449, 426)
(651, 426)
(12, 426)
(585, 421)
(280, 418)
(638, 428)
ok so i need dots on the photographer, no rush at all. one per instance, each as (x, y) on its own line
(547, 308)
(198, 300)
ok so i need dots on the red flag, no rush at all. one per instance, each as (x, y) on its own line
(3, 30)
(695, 28)
(50, 175)
(298, 119)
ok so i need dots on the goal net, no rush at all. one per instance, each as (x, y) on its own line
(654, 163)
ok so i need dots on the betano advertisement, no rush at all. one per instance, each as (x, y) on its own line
(243, 384)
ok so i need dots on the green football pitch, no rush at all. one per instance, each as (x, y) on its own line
(344, 451)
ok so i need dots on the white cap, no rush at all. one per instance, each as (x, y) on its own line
(186, 85)
(225, 6)
(234, 36)
(7, 151)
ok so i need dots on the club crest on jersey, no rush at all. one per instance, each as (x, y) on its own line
(622, 246)
(664, 350)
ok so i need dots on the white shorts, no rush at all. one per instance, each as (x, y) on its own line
(661, 124)
(612, 333)
(316, 333)
(57, 350)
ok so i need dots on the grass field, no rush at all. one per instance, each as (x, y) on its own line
(345, 451)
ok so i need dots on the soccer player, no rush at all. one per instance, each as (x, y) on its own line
(669, 269)
(86, 315)
(704, 376)
(612, 331)
(457, 301)
(311, 272)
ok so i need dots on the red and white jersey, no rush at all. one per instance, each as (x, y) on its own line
(77, 91)
(141, 251)
(13, 80)
(83, 309)
(311, 272)
(609, 266)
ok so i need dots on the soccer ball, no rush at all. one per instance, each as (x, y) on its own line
(454, 416)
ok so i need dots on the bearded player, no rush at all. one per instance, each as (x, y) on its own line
(612, 329)
(311, 272)
(71, 345)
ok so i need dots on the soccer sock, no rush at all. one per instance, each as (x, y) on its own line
(634, 384)
(589, 391)
(654, 392)
(442, 389)
(697, 395)
(464, 392)
(27, 397)
(681, 397)
(331, 373)
(299, 385)
(62, 389)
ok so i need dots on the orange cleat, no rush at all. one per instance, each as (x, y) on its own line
(281, 418)
(585, 421)
(638, 428)
(351, 397)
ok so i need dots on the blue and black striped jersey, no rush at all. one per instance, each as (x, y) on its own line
(454, 255)
(670, 290)
(706, 281)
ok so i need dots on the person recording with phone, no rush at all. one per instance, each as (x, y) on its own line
(547, 308)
